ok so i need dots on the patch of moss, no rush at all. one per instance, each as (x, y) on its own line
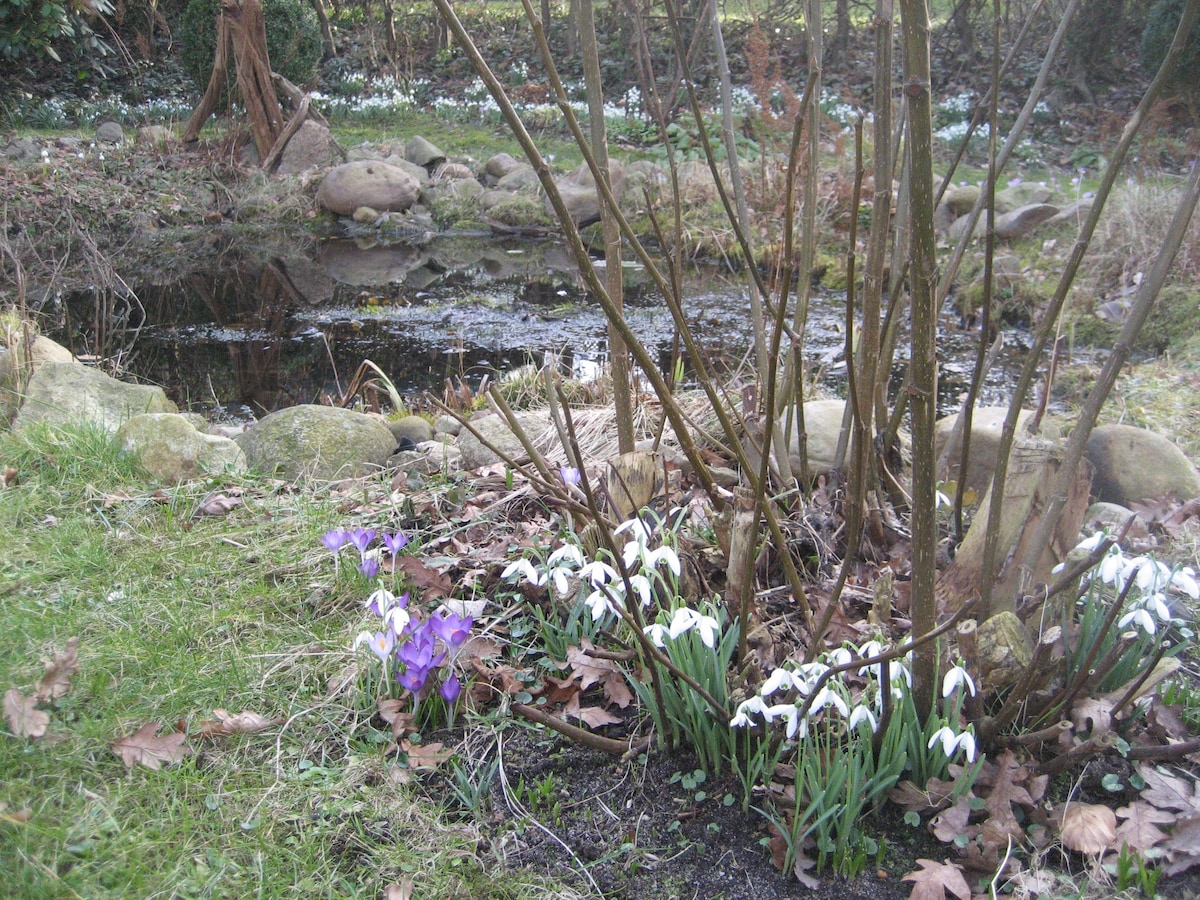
(1173, 325)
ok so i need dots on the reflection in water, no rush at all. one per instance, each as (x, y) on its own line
(258, 331)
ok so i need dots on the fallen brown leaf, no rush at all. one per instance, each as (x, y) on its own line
(1183, 846)
(218, 505)
(56, 679)
(1167, 791)
(937, 880)
(24, 718)
(426, 756)
(1140, 829)
(1088, 828)
(432, 583)
(590, 670)
(240, 723)
(402, 890)
(592, 716)
(149, 749)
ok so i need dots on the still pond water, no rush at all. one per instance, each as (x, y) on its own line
(253, 329)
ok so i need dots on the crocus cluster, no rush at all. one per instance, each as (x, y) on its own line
(362, 539)
(415, 647)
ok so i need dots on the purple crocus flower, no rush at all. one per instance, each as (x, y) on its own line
(362, 537)
(450, 688)
(570, 475)
(452, 628)
(369, 567)
(335, 539)
(394, 542)
(413, 678)
(381, 600)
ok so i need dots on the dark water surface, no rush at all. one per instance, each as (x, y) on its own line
(250, 330)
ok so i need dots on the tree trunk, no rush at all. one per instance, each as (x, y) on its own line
(327, 43)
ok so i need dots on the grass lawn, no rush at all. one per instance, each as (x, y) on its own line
(178, 614)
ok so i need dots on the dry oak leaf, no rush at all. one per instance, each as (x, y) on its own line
(950, 823)
(425, 756)
(1140, 829)
(937, 880)
(150, 749)
(1088, 828)
(24, 718)
(239, 723)
(1183, 846)
(604, 672)
(1167, 791)
(592, 716)
(218, 505)
(56, 679)
(432, 583)
(399, 890)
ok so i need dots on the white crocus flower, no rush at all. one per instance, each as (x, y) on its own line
(535, 576)
(956, 677)
(951, 742)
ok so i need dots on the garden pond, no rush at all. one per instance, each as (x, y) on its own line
(250, 327)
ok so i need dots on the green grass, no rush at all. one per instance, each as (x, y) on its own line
(177, 616)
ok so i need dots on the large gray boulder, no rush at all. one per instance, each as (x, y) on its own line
(16, 365)
(987, 424)
(582, 198)
(822, 428)
(367, 182)
(423, 153)
(498, 166)
(66, 393)
(1023, 193)
(1133, 464)
(495, 431)
(1022, 221)
(318, 442)
(172, 450)
(311, 147)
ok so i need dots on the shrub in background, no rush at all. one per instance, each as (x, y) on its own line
(1161, 24)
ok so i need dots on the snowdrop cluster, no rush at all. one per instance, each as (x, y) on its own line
(805, 688)
(1149, 582)
(601, 585)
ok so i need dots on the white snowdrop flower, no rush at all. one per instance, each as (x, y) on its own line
(599, 604)
(780, 679)
(860, 713)
(1157, 603)
(709, 630)
(791, 718)
(954, 678)
(1112, 565)
(1088, 544)
(641, 587)
(952, 742)
(682, 621)
(566, 554)
(1139, 617)
(598, 573)
(535, 576)
(652, 558)
(657, 634)
(1185, 580)
(825, 697)
(364, 637)
(742, 717)
(839, 657)
(397, 619)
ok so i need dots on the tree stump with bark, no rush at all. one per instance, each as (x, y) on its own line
(1031, 466)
